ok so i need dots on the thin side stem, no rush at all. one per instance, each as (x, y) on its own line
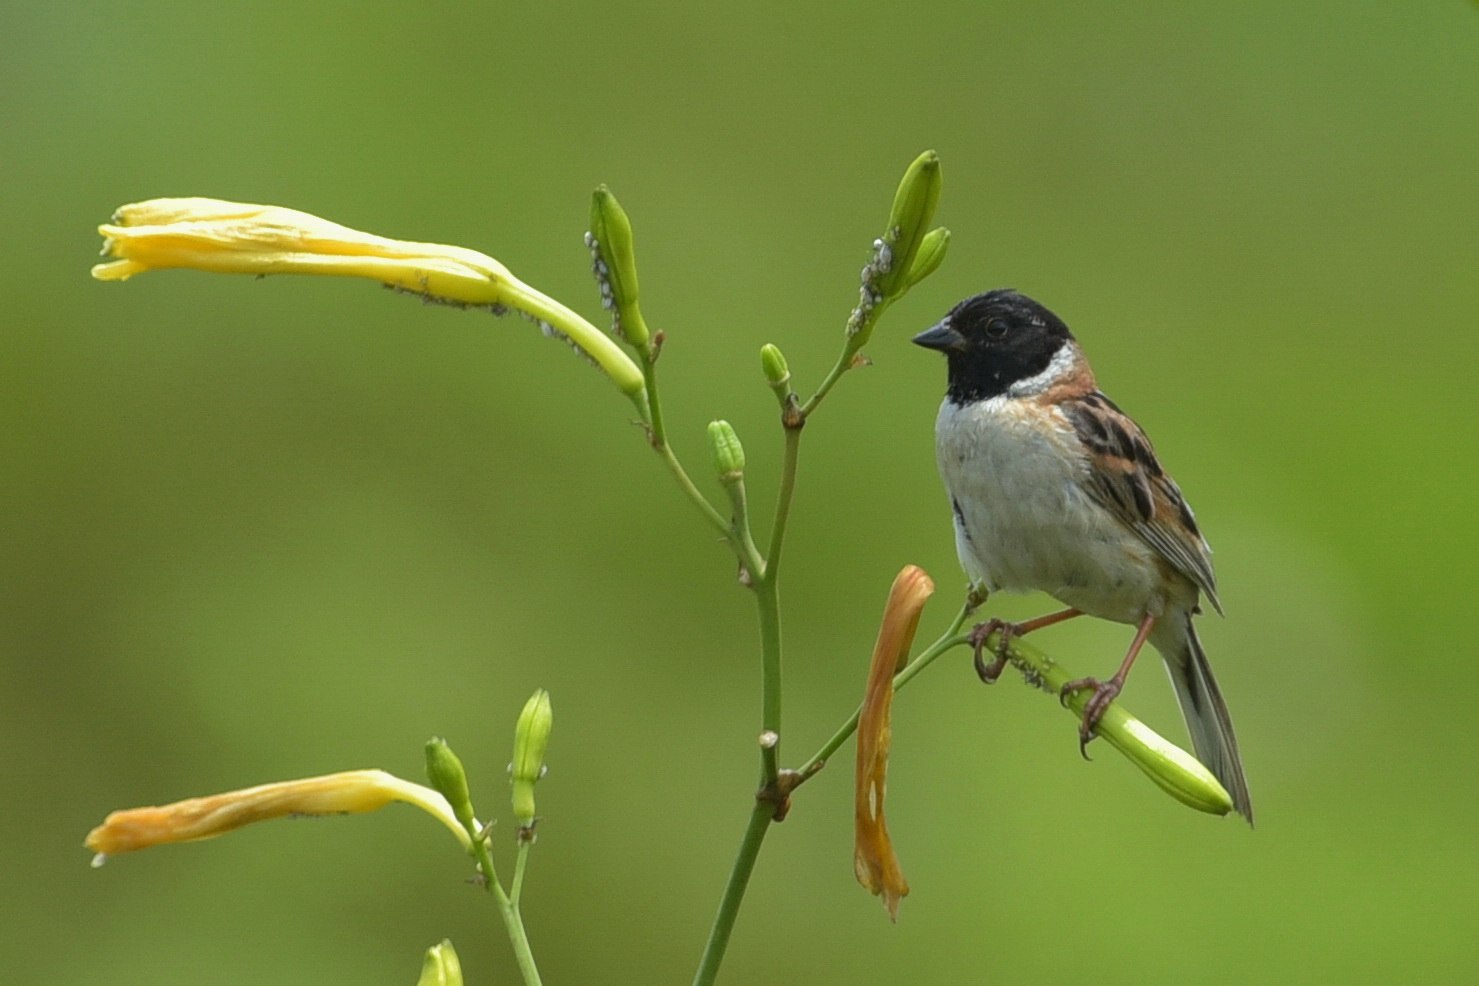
(783, 500)
(845, 361)
(952, 637)
(610, 357)
(657, 431)
(714, 517)
(734, 892)
(654, 403)
(521, 861)
(513, 921)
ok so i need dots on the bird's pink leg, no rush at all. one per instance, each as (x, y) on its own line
(1105, 691)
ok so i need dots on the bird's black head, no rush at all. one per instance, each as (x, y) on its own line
(994, 340)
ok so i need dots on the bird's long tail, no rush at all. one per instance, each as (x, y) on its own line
(1205, 711)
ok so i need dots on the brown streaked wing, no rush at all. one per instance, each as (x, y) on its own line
(1129, 482)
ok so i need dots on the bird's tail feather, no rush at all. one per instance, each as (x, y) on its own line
(1205, 711)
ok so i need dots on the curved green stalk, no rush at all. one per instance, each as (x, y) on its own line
(652, 417)
(952, 637)
(845, 361)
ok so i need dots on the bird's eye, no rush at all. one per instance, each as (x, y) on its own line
(996, 329)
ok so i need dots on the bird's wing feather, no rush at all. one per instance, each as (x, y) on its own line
(1126, 479)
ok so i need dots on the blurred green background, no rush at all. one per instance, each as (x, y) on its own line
(259, 530)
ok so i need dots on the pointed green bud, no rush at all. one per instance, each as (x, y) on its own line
(729, 454)
(441, 966)
(914, 210)
(615, 264)
(445, 772)
(773, 363)
(1177, 772)
(531, 739)
(931, 254)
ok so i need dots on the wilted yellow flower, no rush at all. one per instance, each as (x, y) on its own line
(239, 238)
(204, 818)
(874, 861)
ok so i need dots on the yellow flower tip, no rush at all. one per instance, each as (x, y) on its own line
(874, 861)
(348, 792)
(117, 270)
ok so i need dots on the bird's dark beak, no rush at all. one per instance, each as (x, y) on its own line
(940, 336)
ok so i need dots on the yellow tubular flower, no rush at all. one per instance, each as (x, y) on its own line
(239, 238)
(344, 793)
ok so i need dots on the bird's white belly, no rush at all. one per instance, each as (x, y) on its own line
(1023, 521)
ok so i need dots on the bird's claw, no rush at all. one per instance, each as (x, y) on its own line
(992, 671)
(1105, 692)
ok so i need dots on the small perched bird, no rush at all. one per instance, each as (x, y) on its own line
(1055, 489)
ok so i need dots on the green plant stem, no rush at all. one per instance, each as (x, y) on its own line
(615, 363)
(783, 499)
(516, 888)
(952, 637)
(519, 939)
(768, 607)
(845, 360)
(654, 403)
(738, 534)
(714, 517)
(1174, 770)
(734, 892)
(657, 432)
(513, 920)
(843, 364)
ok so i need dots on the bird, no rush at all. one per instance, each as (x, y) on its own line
(1055, 489)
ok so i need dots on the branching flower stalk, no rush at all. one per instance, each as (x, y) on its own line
(213, 235)
(896, 266)
(445, 771)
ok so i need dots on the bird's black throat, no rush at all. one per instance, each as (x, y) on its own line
(993, 341)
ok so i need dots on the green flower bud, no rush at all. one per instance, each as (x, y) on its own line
(729, 454)
(1175, 771)
(531, 739)
(445, 772)
(615, 263)
(931, 255)
(773, 363)
(914, 209)
(441, 966)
